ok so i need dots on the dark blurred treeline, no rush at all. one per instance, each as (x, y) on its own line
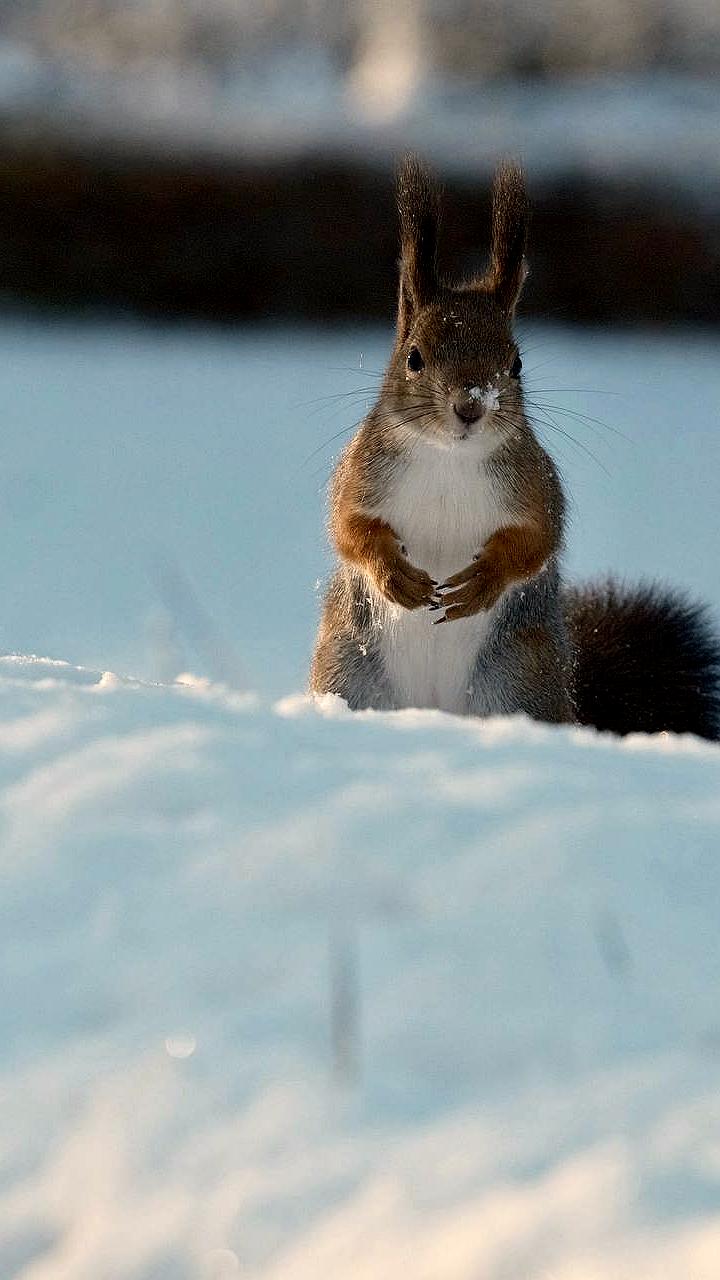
(316, 238)
(204, 158)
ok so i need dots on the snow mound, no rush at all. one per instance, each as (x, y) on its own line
(297, 993)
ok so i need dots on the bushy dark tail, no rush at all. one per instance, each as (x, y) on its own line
(646, 660)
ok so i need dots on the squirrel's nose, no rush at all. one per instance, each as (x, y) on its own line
(467, 409)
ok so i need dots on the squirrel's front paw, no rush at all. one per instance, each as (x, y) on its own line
(403, 584)
(471, 590)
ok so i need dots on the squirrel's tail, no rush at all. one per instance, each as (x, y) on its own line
(646, 660)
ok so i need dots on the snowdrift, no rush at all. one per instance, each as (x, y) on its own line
(293, 993)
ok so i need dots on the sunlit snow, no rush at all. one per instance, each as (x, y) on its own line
(291, 992)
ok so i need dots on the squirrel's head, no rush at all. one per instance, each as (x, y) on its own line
(454, 371)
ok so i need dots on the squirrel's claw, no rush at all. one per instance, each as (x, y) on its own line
(404, 584)
(471, 590)
(465, 575)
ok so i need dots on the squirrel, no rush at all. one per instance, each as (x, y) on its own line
(448, 519)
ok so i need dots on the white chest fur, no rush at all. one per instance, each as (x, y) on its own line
(443, 505)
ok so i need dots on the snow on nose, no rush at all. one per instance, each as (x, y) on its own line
(468, 409)
(487, 396)
(473, 402)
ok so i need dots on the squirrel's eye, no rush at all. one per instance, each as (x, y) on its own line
(515, 367)
(415, 361)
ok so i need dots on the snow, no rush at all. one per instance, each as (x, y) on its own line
(300, 993)
(490, 396)
(162, 490)
(292, 992)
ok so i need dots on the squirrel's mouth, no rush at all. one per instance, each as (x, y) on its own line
(484, 431)
(458, 432)
(454, 433)
(461, 423)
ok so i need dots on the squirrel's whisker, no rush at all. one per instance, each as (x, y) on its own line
(588, 419)
(548, 422)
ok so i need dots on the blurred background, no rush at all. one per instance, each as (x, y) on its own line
(229, 160)
(198, 253)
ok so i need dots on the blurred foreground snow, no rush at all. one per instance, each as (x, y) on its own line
(291, 993)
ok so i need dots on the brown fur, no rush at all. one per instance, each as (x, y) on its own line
(521, 466)
(510, 219)
(525, 472)
(516, 552)
(465, 337)
(418, 198)
(363, 540)
(618, 658)
(373, 546)
(512, 554)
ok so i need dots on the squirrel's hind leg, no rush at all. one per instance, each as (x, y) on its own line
(347, 658)
(527, 675)
(525, 666)
(353, 671)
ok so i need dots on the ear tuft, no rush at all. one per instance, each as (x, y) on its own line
(510, 219)
(418, 198)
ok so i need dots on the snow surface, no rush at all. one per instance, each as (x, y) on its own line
(294, 993)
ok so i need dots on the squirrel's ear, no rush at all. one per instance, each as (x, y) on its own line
(418, 197)
(510, 218)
